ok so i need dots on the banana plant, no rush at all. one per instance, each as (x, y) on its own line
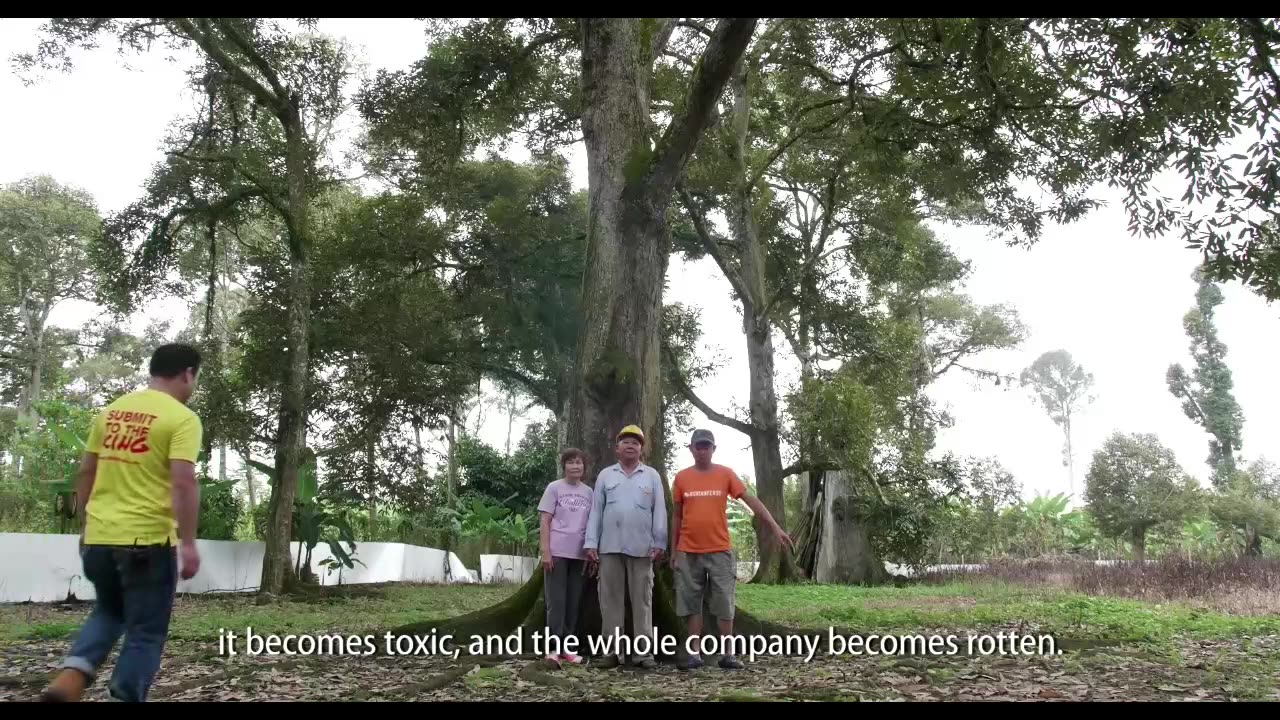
(306, 490)
(313, 521)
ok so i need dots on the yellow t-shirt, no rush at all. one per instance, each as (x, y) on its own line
(134, 438)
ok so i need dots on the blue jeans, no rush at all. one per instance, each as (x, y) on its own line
(135, 587)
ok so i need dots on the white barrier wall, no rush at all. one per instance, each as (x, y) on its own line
(506, 568)
(38, 567)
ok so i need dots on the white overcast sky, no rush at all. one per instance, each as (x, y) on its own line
(1113, 300)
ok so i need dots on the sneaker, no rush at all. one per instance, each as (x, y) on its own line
(571, 658)
(729, 662)
(608, 661)
(647, 663)
(693, 663)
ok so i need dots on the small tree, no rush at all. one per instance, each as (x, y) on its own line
(1062, 387)
(1249, 501)
(1135, 483)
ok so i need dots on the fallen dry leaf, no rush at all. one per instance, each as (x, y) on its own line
(1050, 693)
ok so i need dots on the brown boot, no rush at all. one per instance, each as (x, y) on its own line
(67, 686)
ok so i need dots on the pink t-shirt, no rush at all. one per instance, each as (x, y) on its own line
(570, 507)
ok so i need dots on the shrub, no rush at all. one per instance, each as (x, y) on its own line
(220, 510)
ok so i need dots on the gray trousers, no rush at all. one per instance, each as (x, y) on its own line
(622, 576)
(561, 591)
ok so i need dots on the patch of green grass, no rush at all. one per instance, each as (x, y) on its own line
(201, 617)
(488, 677)
(976, 606)
(52, 630)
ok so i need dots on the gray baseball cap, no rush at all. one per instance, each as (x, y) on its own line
(702, 436)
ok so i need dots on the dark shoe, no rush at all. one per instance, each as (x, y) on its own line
(693, 663)
(729, 662)
(647, 663)
(609, 661)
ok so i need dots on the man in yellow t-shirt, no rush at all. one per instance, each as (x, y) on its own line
(139, 504)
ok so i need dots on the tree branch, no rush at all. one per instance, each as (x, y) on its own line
(662, 37)
(680, 56)
(534, 388)
(699, 224)
(254, 57)
(242, 78)
(955, 357)
(816, 255)
(768, 39)
(683, 386)
(695, 26)
(796, 135)
(727, 44)
(808, 467)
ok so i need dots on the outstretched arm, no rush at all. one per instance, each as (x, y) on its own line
(762, 512)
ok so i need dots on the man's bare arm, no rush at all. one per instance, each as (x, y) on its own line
(85, 477)
(186, 498)
(761, 511)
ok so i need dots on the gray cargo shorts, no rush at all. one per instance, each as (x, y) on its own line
(695, 571)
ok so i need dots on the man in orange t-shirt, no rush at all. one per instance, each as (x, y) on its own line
(703, 552)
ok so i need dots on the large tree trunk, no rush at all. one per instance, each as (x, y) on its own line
(616, 382)
(616, 378)
(293, 410)
(845, 552)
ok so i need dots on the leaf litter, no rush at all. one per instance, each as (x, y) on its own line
(1226, 669)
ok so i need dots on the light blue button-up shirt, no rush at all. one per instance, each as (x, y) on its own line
(628, 512)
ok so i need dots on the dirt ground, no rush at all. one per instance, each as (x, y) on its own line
(1236, 669)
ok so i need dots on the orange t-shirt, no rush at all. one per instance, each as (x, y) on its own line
(703, 498)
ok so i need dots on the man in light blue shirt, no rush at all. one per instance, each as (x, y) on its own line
(626, 534)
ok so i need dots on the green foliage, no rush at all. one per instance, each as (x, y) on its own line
(479, 80)
(968, 526)
(1250, 502)
(48, 229)
(220, 510)
(515, 482)
(495, 525)
(53, 449)
(316, 523)
(1135, 483)
(1206, 394)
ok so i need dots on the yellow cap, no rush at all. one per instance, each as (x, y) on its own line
(631, 430)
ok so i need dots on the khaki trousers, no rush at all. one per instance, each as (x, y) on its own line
(620, 574)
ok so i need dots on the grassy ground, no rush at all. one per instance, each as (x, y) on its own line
(1105, 648)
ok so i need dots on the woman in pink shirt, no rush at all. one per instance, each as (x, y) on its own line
(565, 508)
